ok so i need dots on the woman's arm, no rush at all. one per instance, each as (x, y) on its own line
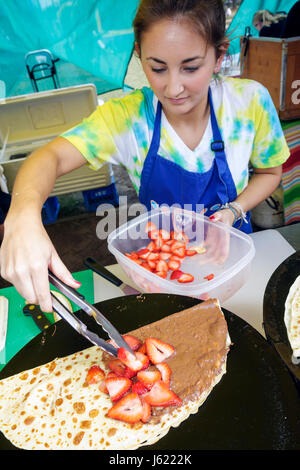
(262, 184)
(26, 251)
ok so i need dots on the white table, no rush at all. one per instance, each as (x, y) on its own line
(271, 250)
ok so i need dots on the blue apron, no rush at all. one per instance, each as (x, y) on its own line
(166, 182)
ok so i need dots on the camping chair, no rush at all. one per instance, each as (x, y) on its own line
(40, 65)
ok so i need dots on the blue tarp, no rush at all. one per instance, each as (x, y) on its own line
(93, 40)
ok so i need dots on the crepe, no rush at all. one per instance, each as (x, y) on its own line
(292, 316)
(52, 407)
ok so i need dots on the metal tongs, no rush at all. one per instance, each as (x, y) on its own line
(88, 308)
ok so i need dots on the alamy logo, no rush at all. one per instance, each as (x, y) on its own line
(296, 94)
(180, 219)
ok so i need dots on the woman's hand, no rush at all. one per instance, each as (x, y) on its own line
(26, 252)
(225, 215)
(217, 242)
(26, 255)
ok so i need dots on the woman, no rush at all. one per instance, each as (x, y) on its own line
(188, 140)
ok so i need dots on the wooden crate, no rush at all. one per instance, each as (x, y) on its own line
(275, 63)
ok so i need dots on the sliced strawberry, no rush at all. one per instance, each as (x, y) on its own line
(134, 362)
(111, 374)
(209, 277)
(128, 409)
(150, 226)
(185, 277)
(95, 374)
(149, 377)
(174, 265)
(102, 387)
(152, 247)
(166, 248)
(146, 412)
(180, 236)
(175, 258)
(153, 256)
(132, 255)
(176, 274)
(179, 252)
(164, 234)
(162, 274)
(157, 350)
(165, 371)
(190, 252)
(178, 249)
(117, 387)
(117, 367)
(161, 395)
(164, 256)
(161, 265)
(146, 266)
(153, 234)
(120, 369)
(139, 388)
(151, 264)
(159, 243)
(142, 349)
(143, 253)
(133, 342)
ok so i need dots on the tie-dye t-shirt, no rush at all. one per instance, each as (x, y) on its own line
(120, 132)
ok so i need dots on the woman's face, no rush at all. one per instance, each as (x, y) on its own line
(179, 65)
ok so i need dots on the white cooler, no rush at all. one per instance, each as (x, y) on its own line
(29, 121)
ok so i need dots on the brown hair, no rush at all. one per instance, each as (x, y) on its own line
(207, 17)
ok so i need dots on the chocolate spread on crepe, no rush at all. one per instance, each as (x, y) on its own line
(51, 407)
(199, 336)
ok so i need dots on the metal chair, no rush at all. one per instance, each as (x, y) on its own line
(40, 65)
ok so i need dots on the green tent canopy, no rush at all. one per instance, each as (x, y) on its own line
(92, 40)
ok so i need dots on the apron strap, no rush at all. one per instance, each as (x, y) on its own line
(154, 146)
(226, 191)
(153, 150)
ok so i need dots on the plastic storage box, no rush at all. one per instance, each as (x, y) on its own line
(106, 195)
(220, 267)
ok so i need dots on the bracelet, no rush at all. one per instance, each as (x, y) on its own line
(227, 206)
(242, 213)
(237, 211)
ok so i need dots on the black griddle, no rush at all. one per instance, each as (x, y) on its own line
(255, 406)
(275, 296)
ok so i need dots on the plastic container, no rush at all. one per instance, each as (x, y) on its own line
(94, 197)
(50, 210)
(224, 252)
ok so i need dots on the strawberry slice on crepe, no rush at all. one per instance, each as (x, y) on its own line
(149, 377)
(117, 387)
(129, 409)
(95, 375)
(161, 395)
(157, 350)
(134, 362)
